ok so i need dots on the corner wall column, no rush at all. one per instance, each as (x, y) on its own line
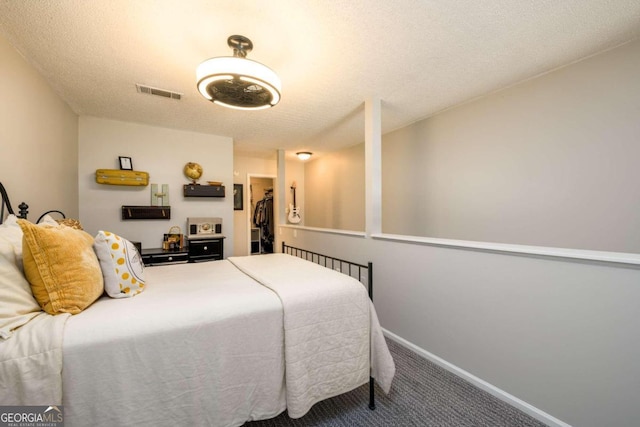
(373, 165)
(281, 210)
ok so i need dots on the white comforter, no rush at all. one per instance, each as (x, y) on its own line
(205, 345)
(328, 323)
(201, 346)
(31, 361)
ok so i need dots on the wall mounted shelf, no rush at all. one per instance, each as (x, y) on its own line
(146, 212)
(197, 190)
(122, 177)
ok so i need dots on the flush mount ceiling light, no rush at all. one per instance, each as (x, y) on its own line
(238, 82)
(304, 155)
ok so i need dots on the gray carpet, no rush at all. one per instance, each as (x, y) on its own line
(422, 394)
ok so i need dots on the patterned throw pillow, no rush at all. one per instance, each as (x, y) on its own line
(61, 266)
(122, 267)
(70, 222)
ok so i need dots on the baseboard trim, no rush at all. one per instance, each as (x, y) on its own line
(481, 384)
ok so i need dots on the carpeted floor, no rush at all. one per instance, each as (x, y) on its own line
(422, 394)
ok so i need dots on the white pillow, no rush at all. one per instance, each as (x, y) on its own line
(121, 264)
(13, 233)
(17, 304)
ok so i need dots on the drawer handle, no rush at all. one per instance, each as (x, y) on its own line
(170, 258)
(205, 248)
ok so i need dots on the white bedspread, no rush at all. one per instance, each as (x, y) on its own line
(31, 362)
(328, 324)
(202, 345)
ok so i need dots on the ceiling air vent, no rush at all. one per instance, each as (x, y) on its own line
(158, 92)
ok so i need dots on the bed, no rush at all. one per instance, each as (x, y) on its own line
(216, 343)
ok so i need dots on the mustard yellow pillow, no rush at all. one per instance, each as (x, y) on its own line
(61, 267)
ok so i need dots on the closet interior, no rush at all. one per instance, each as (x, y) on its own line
(262, 218)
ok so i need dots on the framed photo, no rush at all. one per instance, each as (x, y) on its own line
(125, 163)
(238, 197)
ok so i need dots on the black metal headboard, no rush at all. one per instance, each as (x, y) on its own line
(23, 208)
(5, 202)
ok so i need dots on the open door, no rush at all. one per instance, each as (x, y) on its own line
(261, 214)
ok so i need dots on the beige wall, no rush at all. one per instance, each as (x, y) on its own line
(38, 139)
(550, 162)
(334, 190)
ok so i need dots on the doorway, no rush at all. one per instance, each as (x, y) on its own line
(261, 214)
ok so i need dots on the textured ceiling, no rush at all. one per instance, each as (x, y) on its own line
(418, 56)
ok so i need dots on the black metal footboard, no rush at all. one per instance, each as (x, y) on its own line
(363, 273)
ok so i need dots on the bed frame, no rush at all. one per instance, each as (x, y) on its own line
(363, 273)
(23, 207)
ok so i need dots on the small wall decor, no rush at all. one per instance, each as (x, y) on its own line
(238, 197)
(159, 197)
(173, 240)
(125, 163)
(193, 171)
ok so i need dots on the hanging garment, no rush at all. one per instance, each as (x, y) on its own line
(263, 219)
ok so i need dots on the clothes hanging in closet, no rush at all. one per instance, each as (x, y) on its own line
(263, 219)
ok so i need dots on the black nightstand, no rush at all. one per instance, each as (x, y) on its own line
(156, 256)
(206, 249)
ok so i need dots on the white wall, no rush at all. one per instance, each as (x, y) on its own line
(550, 162)
(162, 153)
(38, 140)
(556, 333)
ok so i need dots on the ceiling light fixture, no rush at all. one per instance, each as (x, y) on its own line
(304, 155)
(238, 82)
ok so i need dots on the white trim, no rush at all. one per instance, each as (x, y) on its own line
(481, 384)
(578, 254)
(325, 230)
(582, 254)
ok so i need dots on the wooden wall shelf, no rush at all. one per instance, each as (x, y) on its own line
(146, 212)
(197, 190)
(122, 177)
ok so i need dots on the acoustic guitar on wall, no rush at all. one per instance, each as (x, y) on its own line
(294, 211)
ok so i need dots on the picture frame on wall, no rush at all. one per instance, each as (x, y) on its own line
(125, 163)
(238, 198)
